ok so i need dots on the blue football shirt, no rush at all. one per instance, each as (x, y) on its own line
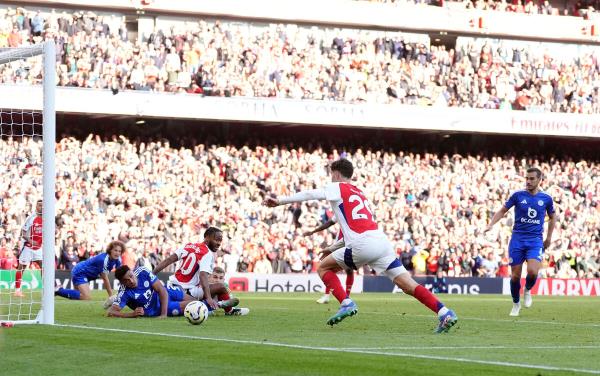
(93, 267)
(141, 296)
(530, 211)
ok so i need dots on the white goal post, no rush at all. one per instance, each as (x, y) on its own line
(45, 310)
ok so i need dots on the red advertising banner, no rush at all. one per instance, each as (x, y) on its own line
(561, 287)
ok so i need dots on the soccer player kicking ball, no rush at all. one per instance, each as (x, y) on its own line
(526, 243)
(92, 268)
(145, 294)
(365, 244)
(339, 243)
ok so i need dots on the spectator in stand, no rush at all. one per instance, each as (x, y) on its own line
(489, 265)
(154, 196)
(3, 248)
(9, 261)
(69, 258)
(263, 265)
(297, 62)
(575, 8)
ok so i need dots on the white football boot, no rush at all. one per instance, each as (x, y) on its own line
(527, 298)
(515, 309)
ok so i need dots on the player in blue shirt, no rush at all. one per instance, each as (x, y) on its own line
(145, 294)
(526, 243)
(92, 268)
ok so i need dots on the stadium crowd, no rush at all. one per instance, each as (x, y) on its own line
(155, 197)
(290, 61)
(579, 8)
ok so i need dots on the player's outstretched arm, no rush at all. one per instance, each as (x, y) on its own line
(163, 296)
(499, 214)
(164, 263)
(206, 288)
(324, 226)
(115, 311)
(106, 282)
(311, 194)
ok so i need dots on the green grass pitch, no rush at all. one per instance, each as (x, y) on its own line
(285, 334)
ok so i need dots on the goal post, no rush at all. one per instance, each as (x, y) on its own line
(21, 127)
(48, 182)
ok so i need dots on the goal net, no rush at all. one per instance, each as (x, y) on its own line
(27, 192)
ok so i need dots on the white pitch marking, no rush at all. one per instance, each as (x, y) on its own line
(490, 347)
(335, 349)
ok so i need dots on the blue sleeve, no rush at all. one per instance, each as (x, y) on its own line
(122, 298)
(105, 263)
(550, 206)
(512, 200)
(112, 264)
(148, 275)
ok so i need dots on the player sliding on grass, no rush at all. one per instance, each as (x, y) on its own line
(338, 243)
(92, 268)
(365, 244)
(145, 294)
(194, 266)
(526, 243)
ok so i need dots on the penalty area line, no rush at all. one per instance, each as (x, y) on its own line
(335, 349)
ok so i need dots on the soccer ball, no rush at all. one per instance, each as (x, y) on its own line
(196, 312)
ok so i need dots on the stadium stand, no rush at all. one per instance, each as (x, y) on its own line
(214, 58)
(433, 202)
(581, 8)
(155, 193)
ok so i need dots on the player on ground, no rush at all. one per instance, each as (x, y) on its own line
(92, 268)
(526, 243)
(145, 294)
(337, 244)
(31, 251)
(218, 276)
(194, 265)
(365, 244)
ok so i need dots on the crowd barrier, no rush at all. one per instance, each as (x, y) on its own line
(250, 282)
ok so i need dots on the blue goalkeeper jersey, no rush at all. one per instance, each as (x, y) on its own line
(93, 267)
(530, 211)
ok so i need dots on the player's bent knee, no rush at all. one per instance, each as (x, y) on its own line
(405, 282)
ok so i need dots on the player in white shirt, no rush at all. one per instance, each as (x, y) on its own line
(31, 250)
(194, 266)
(365, 244)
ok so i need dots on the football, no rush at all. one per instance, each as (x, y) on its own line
(196, 312)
